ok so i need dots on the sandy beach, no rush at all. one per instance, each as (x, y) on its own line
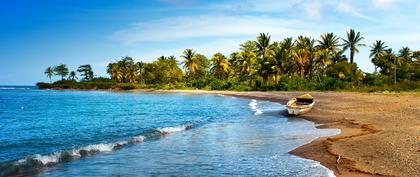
(380, 132)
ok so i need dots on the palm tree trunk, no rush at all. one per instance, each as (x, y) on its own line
(351, 55)
(302, 72)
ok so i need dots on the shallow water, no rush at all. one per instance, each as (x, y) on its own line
(95, 133)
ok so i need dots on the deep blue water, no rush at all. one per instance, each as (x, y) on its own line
(99, 133)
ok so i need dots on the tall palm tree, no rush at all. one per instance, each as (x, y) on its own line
(115, 70)
(190, 63)
(221, 65)
(405, 54)
(72, 76)
(301, 57)
(263, 44)
(248, 64)
(49, 72)
(304, 55)
(132, 74)
(322, 60)
(376, 50)
(329, 42)
(61, 70)
(352, 42)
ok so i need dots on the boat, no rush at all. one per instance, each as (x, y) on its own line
(300, 105)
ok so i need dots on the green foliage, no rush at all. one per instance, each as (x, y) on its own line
(261, 64)
(61, 70)
(86, 72)
(43, 85)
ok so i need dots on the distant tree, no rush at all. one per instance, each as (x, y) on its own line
(329, 42)
(377, 50)
(86, 72)
(72, 76)
(61, 70)
(352, 42)
(190, 63)
(49, 72)
(221, 66)
(115, 71)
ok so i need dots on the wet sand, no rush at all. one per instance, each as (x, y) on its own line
(380, 132)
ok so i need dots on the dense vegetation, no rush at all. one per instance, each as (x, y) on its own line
(291, 64)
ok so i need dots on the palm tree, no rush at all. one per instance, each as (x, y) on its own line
(304, 54)
(115, 70)
(221, 66)
(322, 60)
(301, 57)
(61, 70)
(352, 42)
(329, 42)
(377, 49)
(49, 72)
(72, 76)
(405, 54)
(248, 64)
(131, 74)
(190, 63)
(263, 44)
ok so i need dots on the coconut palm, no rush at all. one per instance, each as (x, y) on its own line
(263, 44)
(221, 65)
(190, 63)
(61, 70)
(301, 57)
(304, 54)
(405, 54)
(352, 42)
(49, 72)
(329, 42)
(72, 76)
(322, 60)
(376, 50)
(132, 74)
(115, 70)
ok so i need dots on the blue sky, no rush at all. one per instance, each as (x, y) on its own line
(38, 34)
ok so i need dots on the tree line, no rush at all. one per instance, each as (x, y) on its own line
(263, 64)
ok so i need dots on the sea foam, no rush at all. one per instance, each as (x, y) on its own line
(254, 107)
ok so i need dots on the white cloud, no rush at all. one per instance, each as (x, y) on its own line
(183, 27)
(383, 4)
(313, 9)
(345, 7)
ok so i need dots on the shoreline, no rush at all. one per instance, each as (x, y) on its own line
(343, 153)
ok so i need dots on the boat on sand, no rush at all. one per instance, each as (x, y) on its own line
(300, 105)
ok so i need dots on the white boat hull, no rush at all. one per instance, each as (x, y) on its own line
(299, 110)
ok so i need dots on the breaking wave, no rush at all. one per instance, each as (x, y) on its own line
(254, 107)
(168, 130)
(15, 88)
(31, 164)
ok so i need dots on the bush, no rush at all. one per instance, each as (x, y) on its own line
(43, 85)
(127, 86)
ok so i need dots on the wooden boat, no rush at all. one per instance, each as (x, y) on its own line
(300, 105)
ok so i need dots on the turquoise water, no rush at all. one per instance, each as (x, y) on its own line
(99, 133)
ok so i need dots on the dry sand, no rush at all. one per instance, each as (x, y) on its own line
(380, 132)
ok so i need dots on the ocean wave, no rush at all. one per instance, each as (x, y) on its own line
(14, 88)
(30, 164)
(254, 107)
(168, 130)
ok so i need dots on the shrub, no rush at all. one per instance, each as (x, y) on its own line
(43, 85)
(127, 86)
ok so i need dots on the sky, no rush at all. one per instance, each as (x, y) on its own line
(35, 34)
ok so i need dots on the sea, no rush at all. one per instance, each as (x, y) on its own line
(105, 133)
